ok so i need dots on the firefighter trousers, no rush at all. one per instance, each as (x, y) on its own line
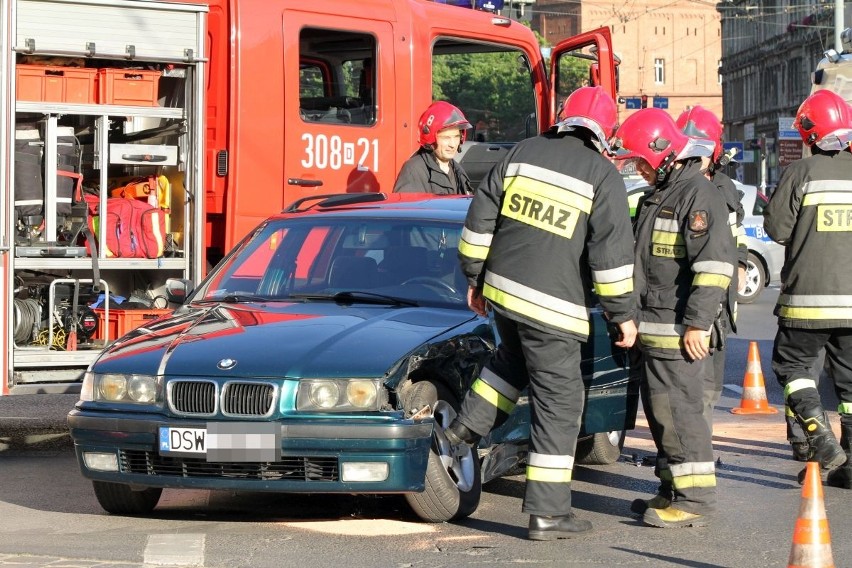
(794, 356)
(549, 366)
(673, 401)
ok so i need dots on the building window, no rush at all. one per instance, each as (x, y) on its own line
(659, 71)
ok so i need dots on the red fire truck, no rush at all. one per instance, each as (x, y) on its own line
(214, 115)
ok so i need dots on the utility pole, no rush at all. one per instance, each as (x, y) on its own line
(838, 25)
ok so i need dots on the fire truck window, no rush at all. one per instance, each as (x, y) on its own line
(576, 69)
(337, 83)
(491, 84)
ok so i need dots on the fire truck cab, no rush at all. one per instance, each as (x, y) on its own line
(217, 114)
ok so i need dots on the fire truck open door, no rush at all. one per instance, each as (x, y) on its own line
(582, 60)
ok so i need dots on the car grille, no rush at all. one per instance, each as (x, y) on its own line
(247, 399)
(193, 397)
(290, 468)
(199, 398)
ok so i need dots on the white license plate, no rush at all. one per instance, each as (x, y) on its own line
(224, 441)
(191, 441)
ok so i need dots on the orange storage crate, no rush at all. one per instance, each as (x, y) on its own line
(122, 321)
(44, 83)
(129, 87)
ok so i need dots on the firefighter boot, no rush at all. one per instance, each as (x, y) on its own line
(796, 436)
(823, 444)
(672, 518)
(842, 476)
(800, 450)
(458, 434)
(663, 498)
(658, 501)
(550, 528)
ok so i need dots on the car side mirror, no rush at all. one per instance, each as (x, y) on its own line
(178, 290)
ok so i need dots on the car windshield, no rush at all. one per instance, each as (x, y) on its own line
(346, 260)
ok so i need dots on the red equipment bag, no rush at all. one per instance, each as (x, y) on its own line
(133, 228)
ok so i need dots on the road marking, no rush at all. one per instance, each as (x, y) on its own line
(175, 550)
(363, 527)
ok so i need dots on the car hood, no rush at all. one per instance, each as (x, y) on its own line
(294, 340)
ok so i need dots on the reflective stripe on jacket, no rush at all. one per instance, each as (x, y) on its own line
(548, 225)
(811, 214)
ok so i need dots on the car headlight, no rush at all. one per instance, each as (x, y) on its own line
(115, 387)
(340, 395)
(324, 394)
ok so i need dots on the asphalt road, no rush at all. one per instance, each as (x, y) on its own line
(49, 516)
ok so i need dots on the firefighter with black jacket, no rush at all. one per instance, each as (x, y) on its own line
(441, 131)
(810, 213)
(684, 266)
(699, 122)
(546, 226)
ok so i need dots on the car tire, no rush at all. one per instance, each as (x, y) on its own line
(119, 499)
(755, 280)
(603, 448)
(453, 484)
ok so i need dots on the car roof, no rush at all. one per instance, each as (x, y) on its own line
(392, 205)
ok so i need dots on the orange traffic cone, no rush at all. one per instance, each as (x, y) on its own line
(754, 390)
(811, 537)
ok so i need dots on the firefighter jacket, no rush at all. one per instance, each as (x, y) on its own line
(811, 214)
(684, 260)
(736, 214)
(422, 174)
(735, 221)
(547, 226)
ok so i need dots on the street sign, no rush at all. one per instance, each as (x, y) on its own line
(786, 130)
(789, 151)
(632, 103)
(661, 102)
(737, 146)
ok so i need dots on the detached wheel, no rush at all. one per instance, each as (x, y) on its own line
(119, 499)
(755, 280)
(453, 477)
(603, 448)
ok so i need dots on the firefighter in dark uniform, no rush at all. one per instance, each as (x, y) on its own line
(810, 213)
(684, 266)
(547, 225)
(441, 131)
(699, 122)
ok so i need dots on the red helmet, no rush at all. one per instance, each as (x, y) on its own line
(698, 122)
(652, 134)
(592, 108)
(440, 115)
(822, 115)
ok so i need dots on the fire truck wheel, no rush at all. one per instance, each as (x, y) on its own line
(119, 499)
(453, 476)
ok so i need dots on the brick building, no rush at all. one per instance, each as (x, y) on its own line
(668, 51)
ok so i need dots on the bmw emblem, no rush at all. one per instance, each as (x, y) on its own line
(226, 364)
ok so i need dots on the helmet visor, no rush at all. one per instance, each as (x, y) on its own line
(574, 121)
(837, 140)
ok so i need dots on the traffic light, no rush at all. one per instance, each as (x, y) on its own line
(754, 143)
(644, 99)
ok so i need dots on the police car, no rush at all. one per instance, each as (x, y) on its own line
(765, 256)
